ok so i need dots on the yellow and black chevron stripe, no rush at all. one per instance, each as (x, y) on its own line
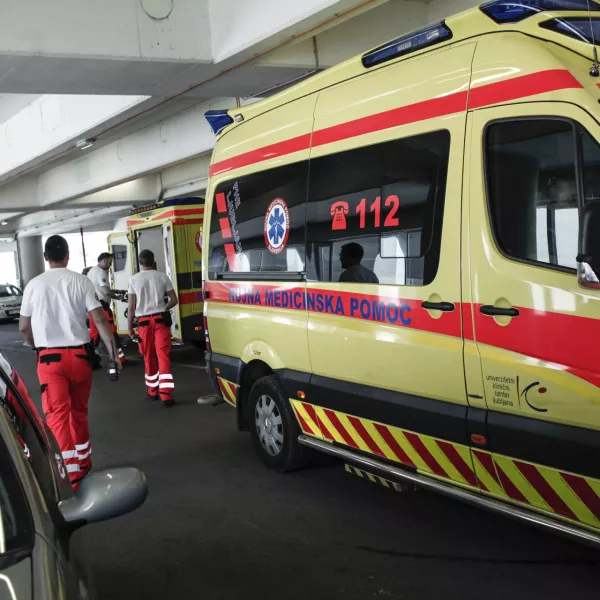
(229, 390)
(372, 478)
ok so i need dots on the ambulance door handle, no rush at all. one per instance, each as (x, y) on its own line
(494, 311)
(443, 306)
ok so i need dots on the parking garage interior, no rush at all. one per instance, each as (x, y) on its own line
(96, 123)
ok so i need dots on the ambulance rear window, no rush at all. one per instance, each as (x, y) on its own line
(584, 29)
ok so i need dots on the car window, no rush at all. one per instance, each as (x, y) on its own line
(16, 532)
(6, 291)
(257, 223)
(532, 188)
(39, 447)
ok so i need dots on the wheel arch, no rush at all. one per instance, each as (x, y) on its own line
(251, 373)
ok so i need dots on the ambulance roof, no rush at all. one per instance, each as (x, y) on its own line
(533, 17)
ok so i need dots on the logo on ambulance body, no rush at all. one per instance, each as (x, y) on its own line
(277, 226)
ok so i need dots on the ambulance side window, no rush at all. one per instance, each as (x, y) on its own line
(532, 190)
(375, 214)
(119, 257)
(258, 223)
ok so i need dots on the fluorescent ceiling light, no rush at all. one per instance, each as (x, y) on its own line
(85, 144)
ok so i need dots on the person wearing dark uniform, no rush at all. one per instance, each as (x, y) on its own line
(53, 321)
(98, 275)
(147, 292)
(351, 256)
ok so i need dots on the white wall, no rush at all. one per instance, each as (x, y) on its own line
(239, 24)
(8, 267)
(440, 9)
(104, 28)
(49, 121)
(371, 29)
(178, 138)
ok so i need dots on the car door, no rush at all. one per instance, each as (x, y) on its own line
(171, 271)
(16, 526)
(121, 272)
(533, 167)
(384, 327)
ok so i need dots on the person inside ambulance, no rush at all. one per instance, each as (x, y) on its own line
(98, 275)
(148, 290)
(351, 256)
(53, 321)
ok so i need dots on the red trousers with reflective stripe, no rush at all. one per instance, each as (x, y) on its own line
(156, 348)
(95, 334)
(66, 379)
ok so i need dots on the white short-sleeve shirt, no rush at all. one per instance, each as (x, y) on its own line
(58, 302)
(150, 288)
(99, 277)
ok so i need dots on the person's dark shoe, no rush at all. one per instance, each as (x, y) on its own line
(152, 397)
(167, 403)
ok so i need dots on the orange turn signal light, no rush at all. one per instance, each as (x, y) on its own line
(301, 394)
(478, 439)
(218, 371)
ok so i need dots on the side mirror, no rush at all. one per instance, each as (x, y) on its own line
(588, 268)
(105, 495)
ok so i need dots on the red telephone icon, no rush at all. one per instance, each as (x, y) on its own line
(339, 210)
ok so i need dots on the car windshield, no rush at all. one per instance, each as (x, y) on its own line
(9, 290)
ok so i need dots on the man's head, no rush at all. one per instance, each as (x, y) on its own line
(56, 251)
(105, 260)
(147, 259)
(351, 254)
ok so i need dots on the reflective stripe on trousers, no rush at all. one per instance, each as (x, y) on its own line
(156, 348)
(66, 379)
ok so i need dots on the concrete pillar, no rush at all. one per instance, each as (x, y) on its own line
(31, 258)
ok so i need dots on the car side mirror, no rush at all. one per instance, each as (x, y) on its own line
(105, 495)
(588, 268)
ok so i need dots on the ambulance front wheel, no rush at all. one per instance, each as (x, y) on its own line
(273, 426)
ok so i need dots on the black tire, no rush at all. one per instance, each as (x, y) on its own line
(288, 455)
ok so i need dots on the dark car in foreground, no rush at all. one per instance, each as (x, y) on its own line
(41, 554)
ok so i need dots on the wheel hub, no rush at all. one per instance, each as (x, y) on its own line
(269, 425)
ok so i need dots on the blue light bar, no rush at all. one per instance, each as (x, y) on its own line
(218, 120)
(411, 42)
(505, 11)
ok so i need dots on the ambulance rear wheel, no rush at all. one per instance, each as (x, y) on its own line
(273, 426)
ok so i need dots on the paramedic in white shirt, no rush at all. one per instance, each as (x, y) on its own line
(147, 292)
(53, 321)
(98, 275)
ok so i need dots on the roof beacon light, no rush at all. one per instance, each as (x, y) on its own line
(218, 120)
(504, 11)
(411, 42)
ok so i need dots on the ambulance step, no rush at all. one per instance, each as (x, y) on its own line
(390, 485)
(400, 475)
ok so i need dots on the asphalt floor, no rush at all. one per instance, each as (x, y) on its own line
(219, 525)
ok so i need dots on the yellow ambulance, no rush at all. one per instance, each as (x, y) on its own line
(172, 229)
(403, 262)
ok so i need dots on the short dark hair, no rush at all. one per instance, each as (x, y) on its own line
(104, 256)
(56, 248)
(147, 258)
(354, 251)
